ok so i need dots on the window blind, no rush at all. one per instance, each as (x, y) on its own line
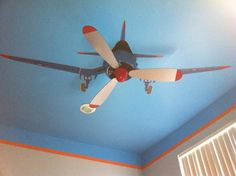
(214, 156)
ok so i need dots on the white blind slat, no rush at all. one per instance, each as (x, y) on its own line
(196, 164)
(225, 155)
(210, 160)
(206, 164)
(231, 142)
(193, 168)
(230, 153)
(221, 157)
(215, 156)
(201, 164)
(232, 135)
(215, 159)
(186, 167)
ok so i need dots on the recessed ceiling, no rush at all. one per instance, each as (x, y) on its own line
(189, 34)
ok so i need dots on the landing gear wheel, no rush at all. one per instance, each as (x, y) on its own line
(83, 87)
(149, 90)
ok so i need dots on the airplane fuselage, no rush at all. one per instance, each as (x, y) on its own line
(124, 56)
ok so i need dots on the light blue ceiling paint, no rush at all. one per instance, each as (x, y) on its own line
(190, 34)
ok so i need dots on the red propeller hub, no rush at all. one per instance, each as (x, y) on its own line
(121, 74)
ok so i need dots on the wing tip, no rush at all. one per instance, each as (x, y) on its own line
(5, 56)
(224, 67)
(88, 29)
(158, 55)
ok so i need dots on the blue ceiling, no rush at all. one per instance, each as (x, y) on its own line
(189, 33)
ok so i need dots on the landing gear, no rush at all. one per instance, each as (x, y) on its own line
(83, 87)
(148, 86)
(149, 90)
(87, 75)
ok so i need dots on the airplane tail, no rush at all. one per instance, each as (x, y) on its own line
(122, 37)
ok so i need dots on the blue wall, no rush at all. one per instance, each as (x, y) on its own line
(44, 141)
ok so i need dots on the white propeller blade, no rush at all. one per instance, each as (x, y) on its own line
(157, 74)
(100, 45)
(103, 94)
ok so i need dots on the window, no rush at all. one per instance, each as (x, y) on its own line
(214, 156)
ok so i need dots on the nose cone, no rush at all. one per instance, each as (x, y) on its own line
(121, 74)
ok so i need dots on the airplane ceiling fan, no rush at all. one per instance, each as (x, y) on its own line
(120, 64)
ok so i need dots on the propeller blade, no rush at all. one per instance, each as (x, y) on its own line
(157, 74)
(103, 94)
(100, 45)
(169, 74)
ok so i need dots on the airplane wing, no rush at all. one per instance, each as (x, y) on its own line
(62, 67)
(89, 53)
(203, 69)
(136, 55)
(147, 55)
